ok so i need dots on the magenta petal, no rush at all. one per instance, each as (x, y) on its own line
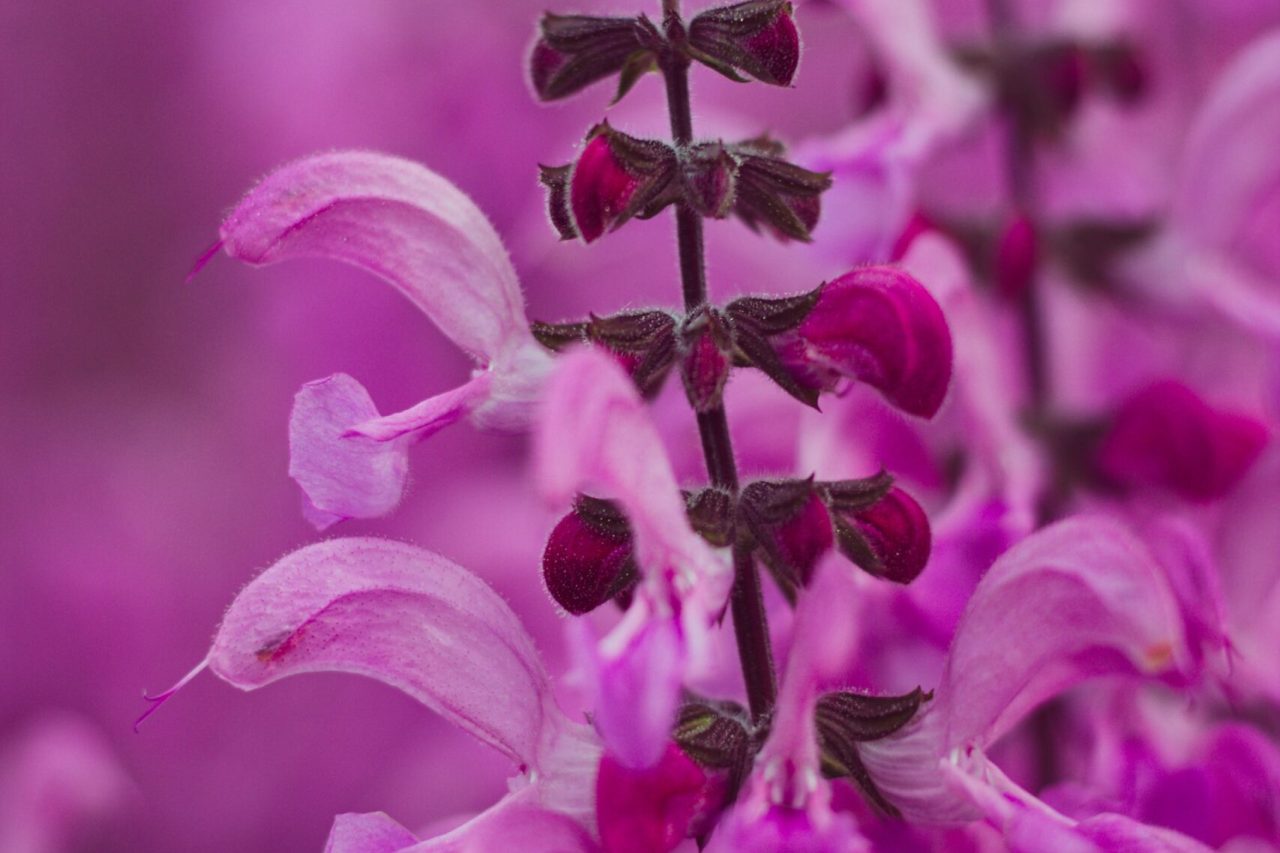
(341, 477)
(880, 326)
(1167, 437)
(633, 678)
(402, 615)
(367, 833)
(599, 189)
(650, 809)
(399, 221)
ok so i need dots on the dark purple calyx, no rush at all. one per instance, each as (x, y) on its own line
(757, 38)
(588, 559)
(718, 736)
(644, 342)
(574, 51)
(846, 718)
(775, 194)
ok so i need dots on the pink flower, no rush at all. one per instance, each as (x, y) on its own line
(1078, 599)
(786, 804)
(426, 626)
(595, 433)
(421, 234)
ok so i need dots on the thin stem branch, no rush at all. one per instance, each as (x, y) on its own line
(746, 598)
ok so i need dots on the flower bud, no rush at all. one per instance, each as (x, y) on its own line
(615, 178)
(710, 176)
(705, 362)
(890, 539)
(574, 51)
(790, 523)
(1016, 258)
(588, 558)
(1167, 437)
(758, 38)
(877, 325)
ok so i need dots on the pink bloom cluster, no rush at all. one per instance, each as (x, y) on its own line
(1022, 571)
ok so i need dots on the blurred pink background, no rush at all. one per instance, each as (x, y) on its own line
(143, 419)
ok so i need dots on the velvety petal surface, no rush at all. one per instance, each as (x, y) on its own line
(401, 222)
(342, 476)
(402, 615)
(374, 832)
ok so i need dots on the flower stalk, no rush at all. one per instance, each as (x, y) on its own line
(746, 598)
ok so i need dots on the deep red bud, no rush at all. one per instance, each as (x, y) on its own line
(897, 533)
(1017, 253)
(584, 564)
(544, 62)
(705, 362)
(776, 49)
(599, 189)
(880, 326)
(1167, 437)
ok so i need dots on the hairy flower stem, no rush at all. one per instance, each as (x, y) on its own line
(750, 627)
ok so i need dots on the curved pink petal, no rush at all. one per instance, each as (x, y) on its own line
(595, 433)
(402, 615)
(514, 823)
(426, 418)
(342, 477)
(1077, 599)
(401, 222)
(633, 678)
(374, 832)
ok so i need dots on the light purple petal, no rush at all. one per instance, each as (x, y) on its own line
(596, 433)
(426, 418)
(342, 477)
(514, 823)
(367, 833)
(1077, 599)
(402, 615)
(398, 220)
(633, 681)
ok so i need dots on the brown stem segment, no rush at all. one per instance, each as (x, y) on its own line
(746, 600)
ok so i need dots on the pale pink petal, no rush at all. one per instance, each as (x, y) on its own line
(398, 220)
(402, 615)
(514, 823)
(633, 681)
(1081, 598)
(428, 417)
(367, 833)
(342, 477)
(595, 433)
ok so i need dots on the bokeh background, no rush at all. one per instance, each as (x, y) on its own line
(143, 417)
